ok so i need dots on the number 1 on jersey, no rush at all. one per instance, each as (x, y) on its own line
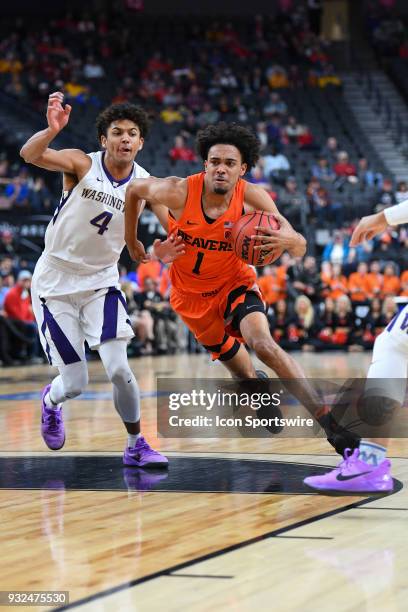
(199, 261)
(105, 218)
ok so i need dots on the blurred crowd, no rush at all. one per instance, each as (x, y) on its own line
(251, 71)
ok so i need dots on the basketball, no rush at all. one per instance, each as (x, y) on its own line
(241, 236)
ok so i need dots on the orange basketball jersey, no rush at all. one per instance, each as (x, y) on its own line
(209, 261)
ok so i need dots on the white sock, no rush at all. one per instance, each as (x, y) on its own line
(48, 402)
(132, 439)
(372, 453)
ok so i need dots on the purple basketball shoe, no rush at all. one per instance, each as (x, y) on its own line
(353, 477)
(142, 455)
(52, 424)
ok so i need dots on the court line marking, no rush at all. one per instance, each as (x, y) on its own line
(220, 552)
(198, 576)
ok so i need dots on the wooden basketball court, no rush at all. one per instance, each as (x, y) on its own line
(229, 526)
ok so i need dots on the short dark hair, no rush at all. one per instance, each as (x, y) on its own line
(233, 134)
(124, 110)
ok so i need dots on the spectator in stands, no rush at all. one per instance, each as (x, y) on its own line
(280, 320)
(275, 131)
(258, 177)
(40, 197)
(181, 151)
(331, 150)
(275, 164)
(92, 69)
(358, 284)
(385, 197)
(391, 282)
(389, 309)
(402, 192)
(7, 267)
(294, 130)
(273, 287)
(165, 326)
(8, 245)
(18, 310)
(386, 246)
(262, 134)
(343, 167)
(304, 279)
(322, 171)
(374, 280)
(293, 203)
(367, 178)
(337, 250)
(208, 115)
(302, 328)
(170, 115)
(141, 321)
(337, 283)
(275, 106)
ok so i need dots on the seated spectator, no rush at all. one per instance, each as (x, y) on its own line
(391, 282)
(328, 77)
(275, 105)
(337, 250)
(279, 321)
(277, 77)
(142, 323)
(258, 177)
(40, 197)
(181, 151)
(375, 322)
(343, 329)
(322, 171)
(19, 312)
(343, 167)
(275, 131)
(337, 285)
(8, 245)
(385, 197)
(386, 246)
(304, 279)
(330, 150)
(293, 203)
(150, 269)
(275, 163)
(358, 285)
(171, 115)
(262, 134)
(402, 192)
(293, 129)
(389, 309)
(165, 326)
(272, 286)
(18, 191)
(92, 69)
(374, 280)
(207, 115)
(302, 327)
(367, 178)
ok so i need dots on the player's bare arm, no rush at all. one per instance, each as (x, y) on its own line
(286, 238)
(37, 151)
(368, 228)
(169, 191)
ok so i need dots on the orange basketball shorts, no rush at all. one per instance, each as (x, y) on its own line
(213, 317)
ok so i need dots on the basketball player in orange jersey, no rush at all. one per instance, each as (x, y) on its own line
(213, 291)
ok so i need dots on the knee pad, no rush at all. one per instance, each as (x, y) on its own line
(120, 375)
(376, 409)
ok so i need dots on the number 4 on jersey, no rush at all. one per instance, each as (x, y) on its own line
(102, 221)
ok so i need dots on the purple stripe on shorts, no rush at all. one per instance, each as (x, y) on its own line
(47, 346)
(110, 315)
(62, 344)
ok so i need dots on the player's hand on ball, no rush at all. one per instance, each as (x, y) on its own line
(57, 115)
(170, 249)
(283, 239)
(368, 227)
(137, 251)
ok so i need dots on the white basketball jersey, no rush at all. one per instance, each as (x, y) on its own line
(87, 230)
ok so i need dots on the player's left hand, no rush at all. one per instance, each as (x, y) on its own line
(368, 227)
(170, 249)
(283, 239)
(137, 251)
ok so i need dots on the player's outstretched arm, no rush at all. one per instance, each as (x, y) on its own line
(36, 150)
(170, 191)
(371, 226)
(284, 239)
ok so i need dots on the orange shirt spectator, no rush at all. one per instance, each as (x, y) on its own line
(150, 269)
(165, 284)
(404, 277)
(374, 284)
(337, 287)
(358, 285)
(273, 288)
(391, 283)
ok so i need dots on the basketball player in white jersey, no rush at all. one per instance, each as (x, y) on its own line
(367, 468)
(75, 290)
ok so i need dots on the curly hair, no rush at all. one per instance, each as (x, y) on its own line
(116, 112)
(233, 134)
